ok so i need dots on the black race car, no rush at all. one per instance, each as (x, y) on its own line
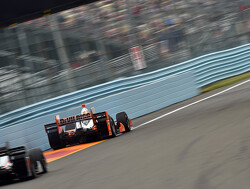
(19, 163)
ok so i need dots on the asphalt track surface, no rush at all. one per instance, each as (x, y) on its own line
(203, 146)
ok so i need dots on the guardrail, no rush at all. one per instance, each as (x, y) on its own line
(207, 69)
(136, 102)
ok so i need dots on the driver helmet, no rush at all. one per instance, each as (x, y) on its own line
(84, 110)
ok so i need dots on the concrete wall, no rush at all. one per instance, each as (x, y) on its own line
(136, 102)
(207, 69)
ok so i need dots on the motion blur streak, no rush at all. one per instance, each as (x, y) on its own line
(178, 109)
(201, 147)
(90, 45)
(58, 154)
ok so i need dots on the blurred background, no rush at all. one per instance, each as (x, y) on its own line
(89, 45)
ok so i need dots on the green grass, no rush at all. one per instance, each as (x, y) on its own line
(225, 82)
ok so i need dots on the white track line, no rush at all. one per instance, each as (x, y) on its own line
(193, 103)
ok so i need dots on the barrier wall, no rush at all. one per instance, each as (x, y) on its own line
(137, 95)
(136, 102)
(207, 69)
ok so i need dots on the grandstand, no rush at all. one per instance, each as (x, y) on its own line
(89, 45)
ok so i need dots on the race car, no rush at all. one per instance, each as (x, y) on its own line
(19, 163)
(79, 128)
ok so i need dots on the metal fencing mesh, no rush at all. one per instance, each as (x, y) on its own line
(89, 45)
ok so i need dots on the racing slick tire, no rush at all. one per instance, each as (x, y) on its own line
(36, 156)
(33, 169)
(33, 163)
(122, 117)
(113, 128)
(55, 141)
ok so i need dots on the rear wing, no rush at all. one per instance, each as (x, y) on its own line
(73, 119)
(5, 151)
(52, 127)
(57, 126)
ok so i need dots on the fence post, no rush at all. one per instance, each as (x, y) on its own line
(62, 53)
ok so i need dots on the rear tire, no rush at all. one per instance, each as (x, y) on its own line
(55, 141)
(33, 166)
(44, 164)
(36, 155)
(122, 117)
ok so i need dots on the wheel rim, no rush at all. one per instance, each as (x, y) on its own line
(114, 131)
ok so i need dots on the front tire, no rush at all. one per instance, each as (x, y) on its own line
(113, 128)
(122, 117)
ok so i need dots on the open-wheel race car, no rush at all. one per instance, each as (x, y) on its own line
(20, 163)
(79, 128)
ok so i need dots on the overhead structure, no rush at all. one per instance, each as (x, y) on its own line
(13, 12)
